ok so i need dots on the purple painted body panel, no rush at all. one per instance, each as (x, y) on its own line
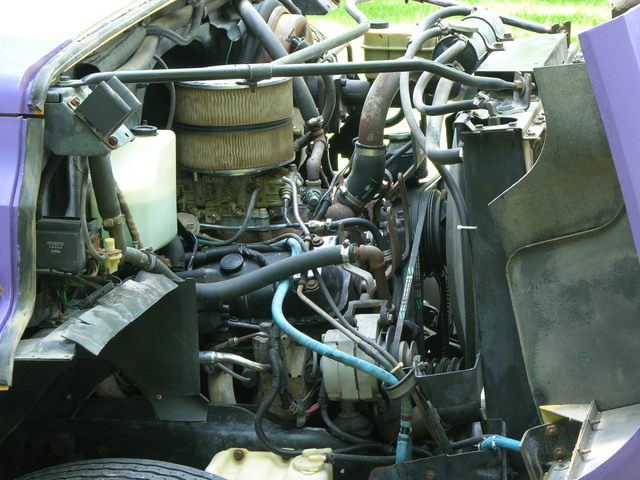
(21, 58)
(12, 145)
(623, 465)
(612, 55)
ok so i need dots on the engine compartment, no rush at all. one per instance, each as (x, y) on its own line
(245, 245)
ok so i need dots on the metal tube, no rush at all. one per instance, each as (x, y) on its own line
(219, 357)
(264, 71)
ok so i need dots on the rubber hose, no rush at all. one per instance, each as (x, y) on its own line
(104, 189)
(236, 287)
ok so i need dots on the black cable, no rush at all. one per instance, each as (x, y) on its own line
(397, 154)
(45, 178)
(468, 442)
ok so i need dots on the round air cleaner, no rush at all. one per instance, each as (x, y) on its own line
(229, 128)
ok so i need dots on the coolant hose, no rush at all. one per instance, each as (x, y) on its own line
(104, 189)
(494, 442)
(403, 449)
(238, 286)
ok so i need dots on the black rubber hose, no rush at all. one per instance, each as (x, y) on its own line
(47, 174)
(251, 44)
(238, 286)
(506, 19)
(329, 99)
(174, 36)
(379, 240)
(216, 253)
(174, 251)
(404, 149)
(104, 189)
(259, 28)
(373, 460)
(467, 442)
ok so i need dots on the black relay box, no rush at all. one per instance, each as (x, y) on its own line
(59, 244)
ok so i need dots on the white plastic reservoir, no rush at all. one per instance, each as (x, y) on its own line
(242, 464)
(145, 170)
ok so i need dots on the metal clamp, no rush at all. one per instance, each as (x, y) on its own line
(403, 387)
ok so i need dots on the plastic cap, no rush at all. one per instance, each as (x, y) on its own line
(144, 131)
(231, 263)
(378, 24)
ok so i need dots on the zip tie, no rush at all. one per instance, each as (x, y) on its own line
(397, 367)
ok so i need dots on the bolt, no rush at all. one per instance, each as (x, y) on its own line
(75, 101)
(513, 124)
(479, 126)
(498, 45)
(158, 397)
(507, 35)
(530, 133)
(551, 430)
(317, 241)
(238, 454)
(113, 141)
(558, 453)
(312, 285)
(430, 475)
(582, 453)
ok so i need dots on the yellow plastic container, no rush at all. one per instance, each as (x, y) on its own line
(242, 464)
(391, 43)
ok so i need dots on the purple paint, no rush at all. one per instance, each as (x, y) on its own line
(612, 55)
(623, 465)
(21, 59)
(12, 144)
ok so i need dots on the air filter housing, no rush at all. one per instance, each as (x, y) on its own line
(230, 128)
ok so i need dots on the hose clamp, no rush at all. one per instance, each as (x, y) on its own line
(108, 223)
(344, 252)
(403, 387)
(348, 199)
(387, 255)
(371, 150)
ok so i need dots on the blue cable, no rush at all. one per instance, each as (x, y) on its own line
(403, 450)
(494, 442)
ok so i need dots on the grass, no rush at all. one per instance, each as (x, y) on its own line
(583, 14)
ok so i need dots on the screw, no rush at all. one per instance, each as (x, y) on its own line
(113, 141)
(238, 454)
(558, 453)
(552, 430)
(513, 124)
(498, 45)
(317, 241)
(430, 475)
(312, 285)
(158, 397)
(507, 35)
(530, 132)
(75, 101)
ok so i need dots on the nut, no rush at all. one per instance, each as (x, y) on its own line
(113, 141)
(238, 454)
(558, 452)
(430, 475)
(551, 430)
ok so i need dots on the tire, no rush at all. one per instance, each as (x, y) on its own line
(120, 469)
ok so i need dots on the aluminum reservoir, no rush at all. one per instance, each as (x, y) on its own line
(145, 170)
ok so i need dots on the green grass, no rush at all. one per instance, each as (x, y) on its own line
(583, 14)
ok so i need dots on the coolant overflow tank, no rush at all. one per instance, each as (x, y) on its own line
(145, 170)
(228, 127)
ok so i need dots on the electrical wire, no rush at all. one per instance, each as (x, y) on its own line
(245, 223)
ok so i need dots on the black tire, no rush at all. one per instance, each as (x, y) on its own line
(120, 469)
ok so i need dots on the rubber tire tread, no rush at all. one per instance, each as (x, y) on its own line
(120, 469)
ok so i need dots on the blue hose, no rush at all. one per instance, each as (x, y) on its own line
(403, 449)
(495, 442)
